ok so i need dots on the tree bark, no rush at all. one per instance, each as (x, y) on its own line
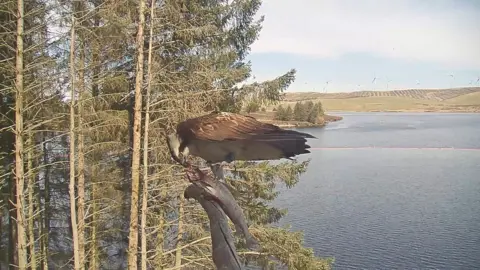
(178, 253)
(73, 212)
(81, 155)
(46, 212)
(19, 170)
(94, 260)
(137, 119)
(145, 145)
(31, 201)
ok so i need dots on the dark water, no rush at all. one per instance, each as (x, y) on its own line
(392, 208)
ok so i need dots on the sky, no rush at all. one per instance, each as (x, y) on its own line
(353, 45)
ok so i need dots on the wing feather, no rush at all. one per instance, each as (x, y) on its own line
(220, 126)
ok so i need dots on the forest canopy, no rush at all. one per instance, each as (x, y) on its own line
(88, 89)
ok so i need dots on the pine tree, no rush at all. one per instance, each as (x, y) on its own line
(300, 112)
(24, 95)
(320, 108)
(19, 138)
(288, 113)
(309, 106)
(198, 60)
(280, 113)
(313, 114)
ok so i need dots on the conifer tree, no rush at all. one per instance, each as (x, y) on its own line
(300, 112)
(288, 113)
(280, 113)
(320, 108)
(314, 114)
(198, 63)
(309, 106)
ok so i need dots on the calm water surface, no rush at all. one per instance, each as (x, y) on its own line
(392, 208)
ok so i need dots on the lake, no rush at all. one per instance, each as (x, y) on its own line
(394, 206)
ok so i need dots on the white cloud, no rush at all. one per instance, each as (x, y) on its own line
(442, 31)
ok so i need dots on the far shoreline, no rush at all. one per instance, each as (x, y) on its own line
(302, 124)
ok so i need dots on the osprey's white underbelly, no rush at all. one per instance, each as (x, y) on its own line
(217, 151)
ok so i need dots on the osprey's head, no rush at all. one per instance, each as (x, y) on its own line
(173, 142)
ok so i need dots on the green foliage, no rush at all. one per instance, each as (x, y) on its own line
(289, 113)
(320, 108)
(268, 92)
(254, 185)
(252, 106)
(313, 115)
(288, 247)
(300, 112)
(283, 114)
(308, 112)
(199, 52)
(280, 113)
(309, 106)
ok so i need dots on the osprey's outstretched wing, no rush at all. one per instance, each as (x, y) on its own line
(220, 126)
(219, 136)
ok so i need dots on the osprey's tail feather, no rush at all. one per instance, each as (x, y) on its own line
(290, 146)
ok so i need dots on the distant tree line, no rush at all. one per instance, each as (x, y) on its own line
(254, 106)
(302, 111)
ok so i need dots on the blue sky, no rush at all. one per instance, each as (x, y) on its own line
(348, 43)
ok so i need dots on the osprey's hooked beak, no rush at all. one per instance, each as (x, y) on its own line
(172, 144)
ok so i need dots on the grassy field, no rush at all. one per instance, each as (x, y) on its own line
(413, 100)
(422, 100)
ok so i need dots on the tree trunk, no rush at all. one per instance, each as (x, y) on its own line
(145, 144)
(133, 234)
(73, 212)
(46, 212)
(178, 253)
(31, 201)
(93, 261)
(93, 224)
(12, 229)
(81, 156)
(45, 224)
(19, 170)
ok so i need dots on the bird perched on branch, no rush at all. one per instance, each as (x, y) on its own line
(220, 137)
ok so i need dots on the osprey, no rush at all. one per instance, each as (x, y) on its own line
(224, 137)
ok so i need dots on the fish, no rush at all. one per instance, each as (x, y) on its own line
(220, 192)
(224, 253)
